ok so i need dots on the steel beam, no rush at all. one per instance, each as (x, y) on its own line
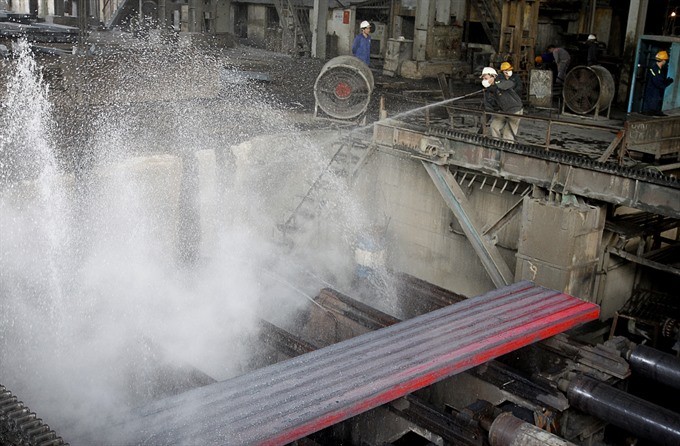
(294, 398)
(562, 173)
(455, 198)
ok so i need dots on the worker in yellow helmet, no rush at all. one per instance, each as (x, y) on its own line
(655, 85)
(506, 69)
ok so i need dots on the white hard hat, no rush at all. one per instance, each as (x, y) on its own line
(592, 37)
(365, 24)
(489, 70)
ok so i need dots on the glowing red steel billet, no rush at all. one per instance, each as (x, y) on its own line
(443, 367)
(291, 399)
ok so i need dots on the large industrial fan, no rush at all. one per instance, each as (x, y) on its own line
(588, 89)
(343, 88)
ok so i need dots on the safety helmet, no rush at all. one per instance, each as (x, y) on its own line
(538, 59)
(506, 66)
(365, 24)
(662, 55)
(592, 37)
(489, 70)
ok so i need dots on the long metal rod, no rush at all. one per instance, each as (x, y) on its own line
(455, 198)
(292, 399)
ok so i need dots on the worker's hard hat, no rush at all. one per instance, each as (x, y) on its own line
(662, 55)
(489, 70)
(365, 24)
(506, 66)
(592, 37)
(538, 59)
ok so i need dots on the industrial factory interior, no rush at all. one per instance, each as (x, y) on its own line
(325, 222)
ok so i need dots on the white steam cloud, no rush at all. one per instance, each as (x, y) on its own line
(99, 311)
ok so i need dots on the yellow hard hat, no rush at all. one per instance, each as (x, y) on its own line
(506, 66)
(538, 59)
(662, 55)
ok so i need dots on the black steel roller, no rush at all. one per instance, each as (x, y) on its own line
(654, 364)
(624, 410)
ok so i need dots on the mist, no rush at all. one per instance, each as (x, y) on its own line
(140, 235)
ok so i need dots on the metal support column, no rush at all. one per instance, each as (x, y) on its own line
(458, 203)
(637, 15)
(319, 29)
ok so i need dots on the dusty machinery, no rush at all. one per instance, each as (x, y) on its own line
(347, 373)
(588, 89)
(376, 370)
(343, 88)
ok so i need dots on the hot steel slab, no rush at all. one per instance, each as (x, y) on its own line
(292, 399)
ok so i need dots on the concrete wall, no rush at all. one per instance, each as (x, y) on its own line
(257, 23)
(20, 6)
(421, 241)
(341, 23)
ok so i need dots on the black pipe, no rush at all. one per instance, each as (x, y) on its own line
(656, 365)
(624, 410)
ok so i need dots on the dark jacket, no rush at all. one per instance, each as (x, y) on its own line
(518, 84)
(501, 97)
(657, 81)
(361, 48)
(593, 50)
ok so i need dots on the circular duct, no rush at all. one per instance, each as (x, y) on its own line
(343, 88)
(588, 88)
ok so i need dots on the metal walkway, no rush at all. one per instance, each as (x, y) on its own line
(292, 399)
(566, 173)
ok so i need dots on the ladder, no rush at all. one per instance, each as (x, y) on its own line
(294, 20)
(490, 13)
(351, 154)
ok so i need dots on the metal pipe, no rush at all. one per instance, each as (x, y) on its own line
(508, 430)
(626, 411)
(657, 365)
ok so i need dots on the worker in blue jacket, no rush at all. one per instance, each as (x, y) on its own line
(657, 81)
(361, 47)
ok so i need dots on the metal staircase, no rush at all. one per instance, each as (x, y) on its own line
(490, 14)
(351, 153)
(294, 20)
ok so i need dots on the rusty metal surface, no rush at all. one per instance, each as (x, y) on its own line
(640, 189)
(282, 340)
(289, 400)
(354, 310)
(657, 136)
(417, 296)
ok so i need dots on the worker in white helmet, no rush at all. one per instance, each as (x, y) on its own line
(500, 96)
(361, 47)
(593, 49)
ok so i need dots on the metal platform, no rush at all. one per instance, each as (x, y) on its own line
(292, 399)
(565, 173)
